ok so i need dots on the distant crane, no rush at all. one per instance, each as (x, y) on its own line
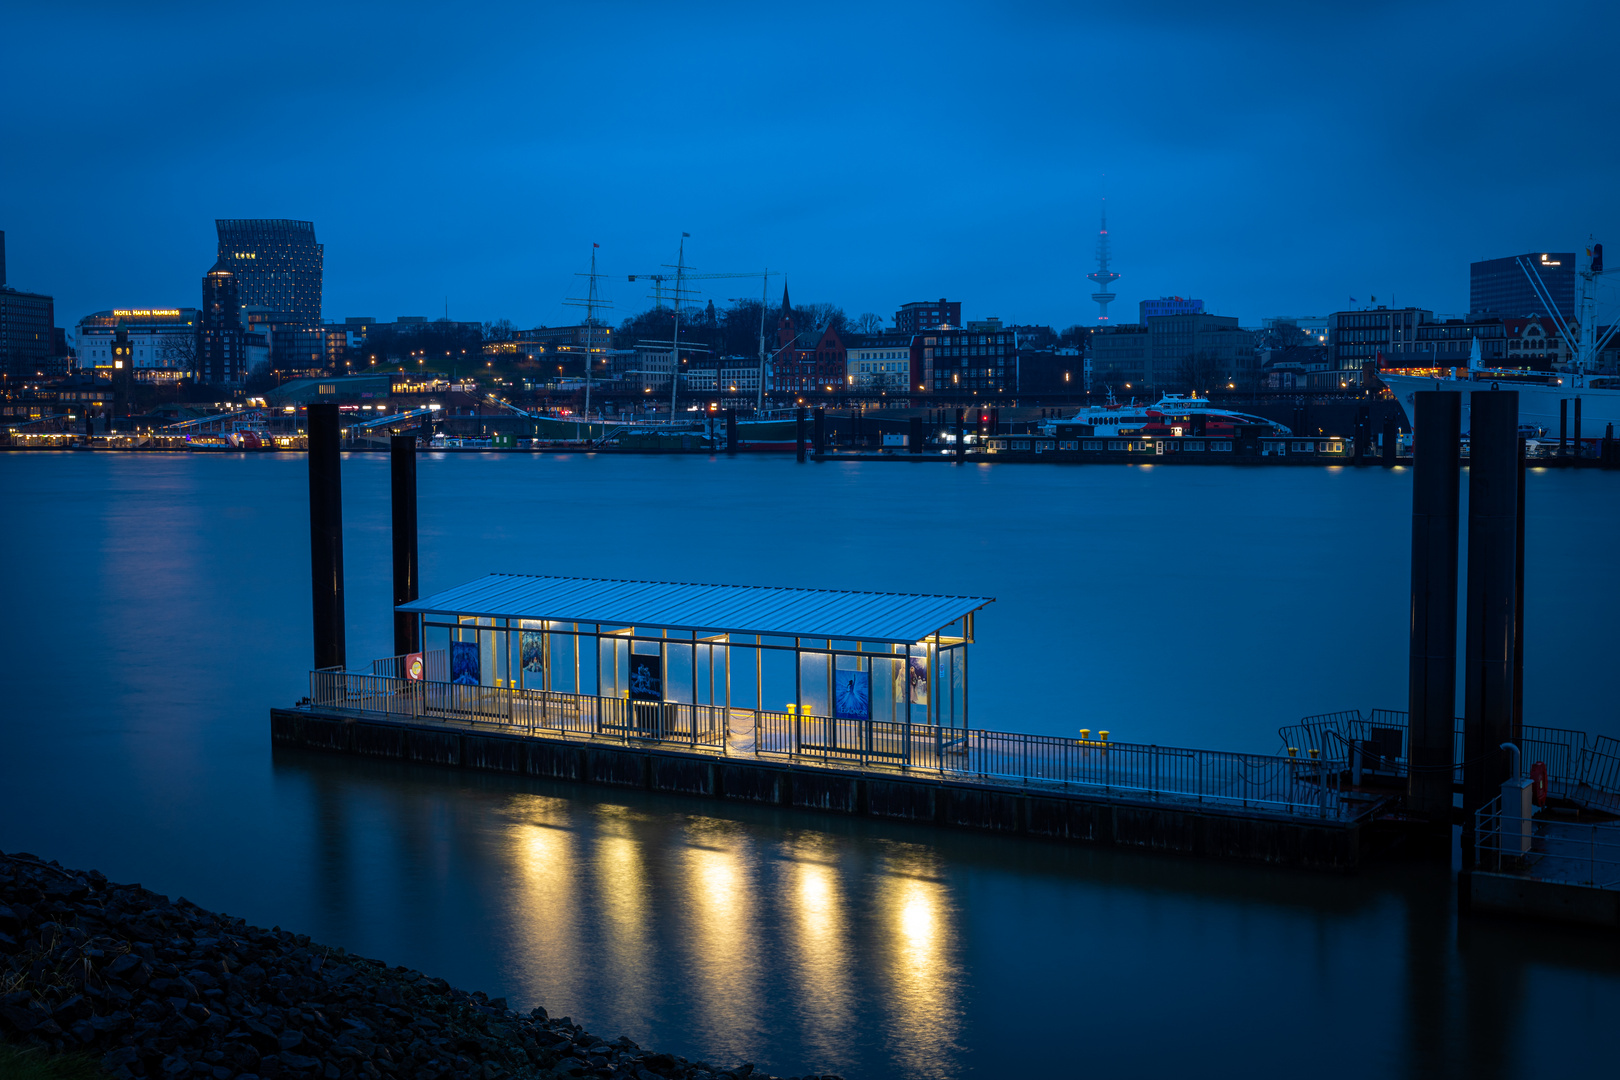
(679, 294)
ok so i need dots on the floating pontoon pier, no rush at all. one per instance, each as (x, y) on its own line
(853, 702)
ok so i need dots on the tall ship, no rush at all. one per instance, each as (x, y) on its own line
(1549, 401)
(1172, 415)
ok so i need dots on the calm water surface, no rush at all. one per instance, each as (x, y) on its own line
(159, 606)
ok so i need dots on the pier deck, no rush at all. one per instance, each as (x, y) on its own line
(1211, 803)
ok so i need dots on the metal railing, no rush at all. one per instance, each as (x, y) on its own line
(1569, 852)
(1300, 786)
(1580, 768)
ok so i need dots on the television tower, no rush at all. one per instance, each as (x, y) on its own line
(1103, 277)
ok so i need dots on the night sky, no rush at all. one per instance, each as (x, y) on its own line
(1269, 159)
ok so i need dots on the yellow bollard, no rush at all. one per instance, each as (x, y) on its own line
(792, 708)
(1085, 734)
(1293, 751)
(1315, 753)
(1103, 735)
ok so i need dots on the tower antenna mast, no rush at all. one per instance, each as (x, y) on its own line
(1103, 277)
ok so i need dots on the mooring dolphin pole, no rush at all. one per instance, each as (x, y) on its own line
(326, 534)
(402, 475)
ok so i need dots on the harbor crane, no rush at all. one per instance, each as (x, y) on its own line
(678, 295)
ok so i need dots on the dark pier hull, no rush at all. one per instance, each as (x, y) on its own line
(1172, 827)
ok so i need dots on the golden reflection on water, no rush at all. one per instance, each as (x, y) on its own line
(544, 902)
(814, 894)
(622, 893)
(920, 966)
(724, 932)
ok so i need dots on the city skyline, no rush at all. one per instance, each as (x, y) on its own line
(871, 180)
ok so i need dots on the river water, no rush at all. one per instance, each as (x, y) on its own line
(158, 606)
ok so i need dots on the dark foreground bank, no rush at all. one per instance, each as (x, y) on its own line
(168, 991)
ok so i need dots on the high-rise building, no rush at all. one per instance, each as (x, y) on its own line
(222, 348)
(923, 315)
(1500, 287)
(27, 322)
(275, 264)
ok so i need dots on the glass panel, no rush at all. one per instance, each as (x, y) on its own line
(888, 689)
(814, 688)
(744, 671)
(678, 662)
(777, 665)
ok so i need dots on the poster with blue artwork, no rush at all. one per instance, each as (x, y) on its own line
(852, 695)
(647, 678)
(533, 656)
(464, 663)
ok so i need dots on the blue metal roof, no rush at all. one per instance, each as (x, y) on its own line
(737, 609)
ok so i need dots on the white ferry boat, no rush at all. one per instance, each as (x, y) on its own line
(1172, 415)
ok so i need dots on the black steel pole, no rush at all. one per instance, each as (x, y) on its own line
(819, 430)
(1432, 665)
(402, 472)
(1488, 693)
(798, 431)
(1563, 426)
(731, 431)
(1518, 604)
(961, 434)
(1387, 456)
(916, 440)
(1577, 427)
(326, 534)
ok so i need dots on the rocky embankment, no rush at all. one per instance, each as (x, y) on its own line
(167, 991)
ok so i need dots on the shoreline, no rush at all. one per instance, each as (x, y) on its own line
(170, 991)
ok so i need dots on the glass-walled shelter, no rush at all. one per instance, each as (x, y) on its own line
(893, 657)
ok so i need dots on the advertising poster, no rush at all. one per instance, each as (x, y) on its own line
(531, 643)
(918, 666)
(464, 663)
(646, 678)
(852, 695)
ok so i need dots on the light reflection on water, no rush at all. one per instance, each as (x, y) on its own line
(159, 605)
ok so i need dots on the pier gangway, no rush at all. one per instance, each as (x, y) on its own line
(1581, 769)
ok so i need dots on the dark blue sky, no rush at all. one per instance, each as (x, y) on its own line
(1268, 158)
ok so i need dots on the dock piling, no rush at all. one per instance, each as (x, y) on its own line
(1391, 435)
(1432, 665)
(819, 430)
(798, 432)
(916, 439)
(1577, 426)
(326, 533)
(1488, 692)
(731, 431)
(402, 474)
(961, 434)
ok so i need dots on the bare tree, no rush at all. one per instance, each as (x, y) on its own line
(1201, 372)
(870, 322)
(178, 351)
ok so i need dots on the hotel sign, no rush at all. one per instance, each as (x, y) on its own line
(146, 313)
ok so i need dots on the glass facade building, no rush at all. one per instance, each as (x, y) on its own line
(1500, 287)
(276, 264)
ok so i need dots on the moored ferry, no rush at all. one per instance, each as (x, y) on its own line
(1174, 415)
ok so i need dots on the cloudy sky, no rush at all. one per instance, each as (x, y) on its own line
(1268, 158)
